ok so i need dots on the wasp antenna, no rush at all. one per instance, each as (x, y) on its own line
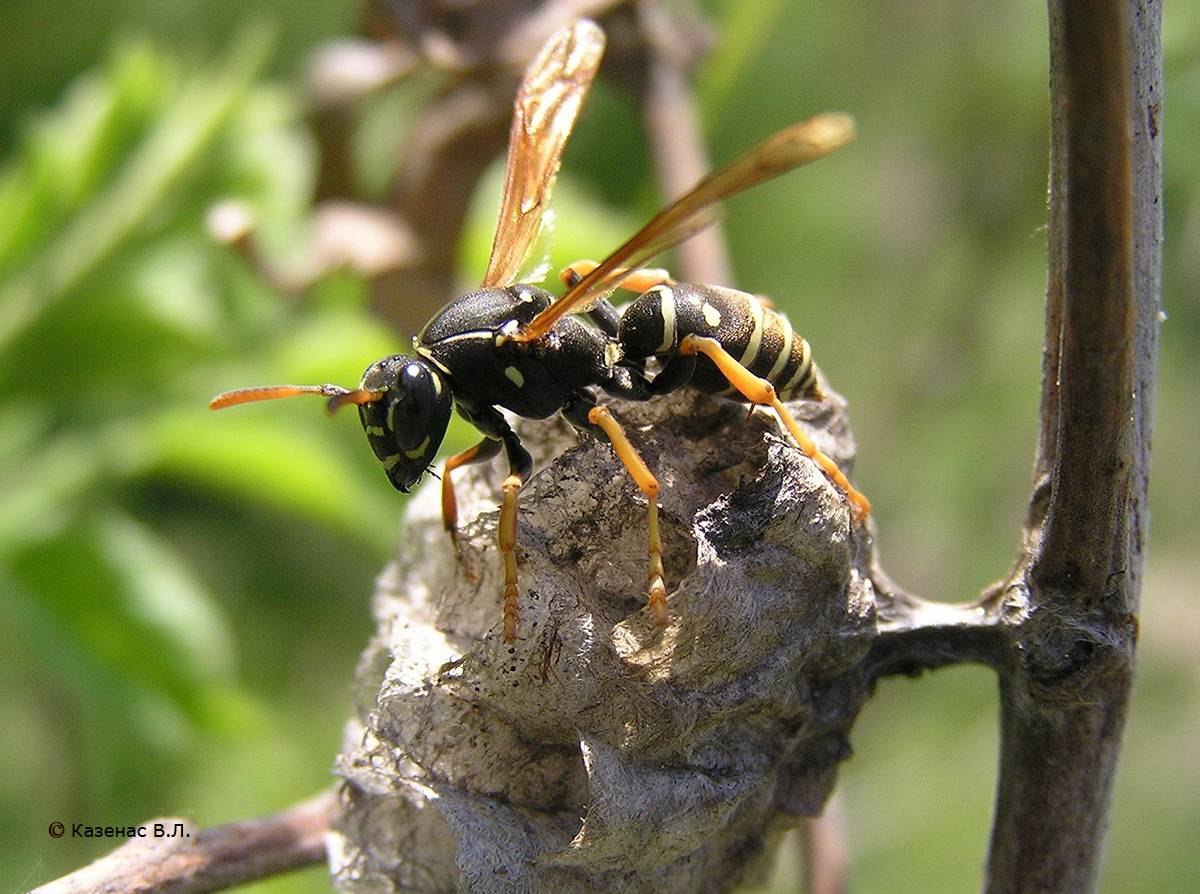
(357, 396)
(274, 392)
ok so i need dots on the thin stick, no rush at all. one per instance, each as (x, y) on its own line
(200, 860)
(825, 857)
(1071, 604)
(677, 142)
(1089, 412)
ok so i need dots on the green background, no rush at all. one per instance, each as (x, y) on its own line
(183, 596)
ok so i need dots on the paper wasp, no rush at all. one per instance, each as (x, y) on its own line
(514, 346)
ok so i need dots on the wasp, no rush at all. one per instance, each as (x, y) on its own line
(511, 345)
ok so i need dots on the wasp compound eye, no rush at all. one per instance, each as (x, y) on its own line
(406, 425)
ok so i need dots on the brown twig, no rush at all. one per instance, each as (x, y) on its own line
(1065, 695)
(1091, 259)
(454, 140)
(676, 141)
(1061, 629)
(825, 854)
(340, 76)
(199, 860)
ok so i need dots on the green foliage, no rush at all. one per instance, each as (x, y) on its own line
(119, 318)
(183, 595)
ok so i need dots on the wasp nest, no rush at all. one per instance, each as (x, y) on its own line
(600, 752)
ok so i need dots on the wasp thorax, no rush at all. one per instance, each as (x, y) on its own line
(406, 424)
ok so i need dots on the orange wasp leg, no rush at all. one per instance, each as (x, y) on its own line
(648, 485)
(484, 450)
(641, 280)
(508, 551)
(760, 391)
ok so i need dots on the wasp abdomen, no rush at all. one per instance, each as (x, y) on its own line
(760, 339)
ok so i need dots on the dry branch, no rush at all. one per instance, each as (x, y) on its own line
(202, 860)
(1072, 601)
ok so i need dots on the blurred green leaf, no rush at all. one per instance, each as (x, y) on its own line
(184, 132)
(68, 154)
(254, 456)
(744, 30)
(42, 478)
(334, 344)
(161, 594)
(128, 606)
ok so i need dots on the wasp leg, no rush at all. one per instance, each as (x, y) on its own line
(484, 450)
(675, 373)
(520, 465)
(760, 391)
(584, 412)
(640, 280)
(508, 551)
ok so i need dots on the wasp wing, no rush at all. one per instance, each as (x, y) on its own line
(798, 144)
(544, 113)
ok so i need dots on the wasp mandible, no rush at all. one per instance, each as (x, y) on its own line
(514, 346)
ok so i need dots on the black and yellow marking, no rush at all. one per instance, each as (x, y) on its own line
(760, 339)
(759, 391)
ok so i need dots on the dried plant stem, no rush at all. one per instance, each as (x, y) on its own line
(1065, 692)
(672, 126)
(207, 859)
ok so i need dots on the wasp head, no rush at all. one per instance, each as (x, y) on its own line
(406, 422)
(404, 404)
